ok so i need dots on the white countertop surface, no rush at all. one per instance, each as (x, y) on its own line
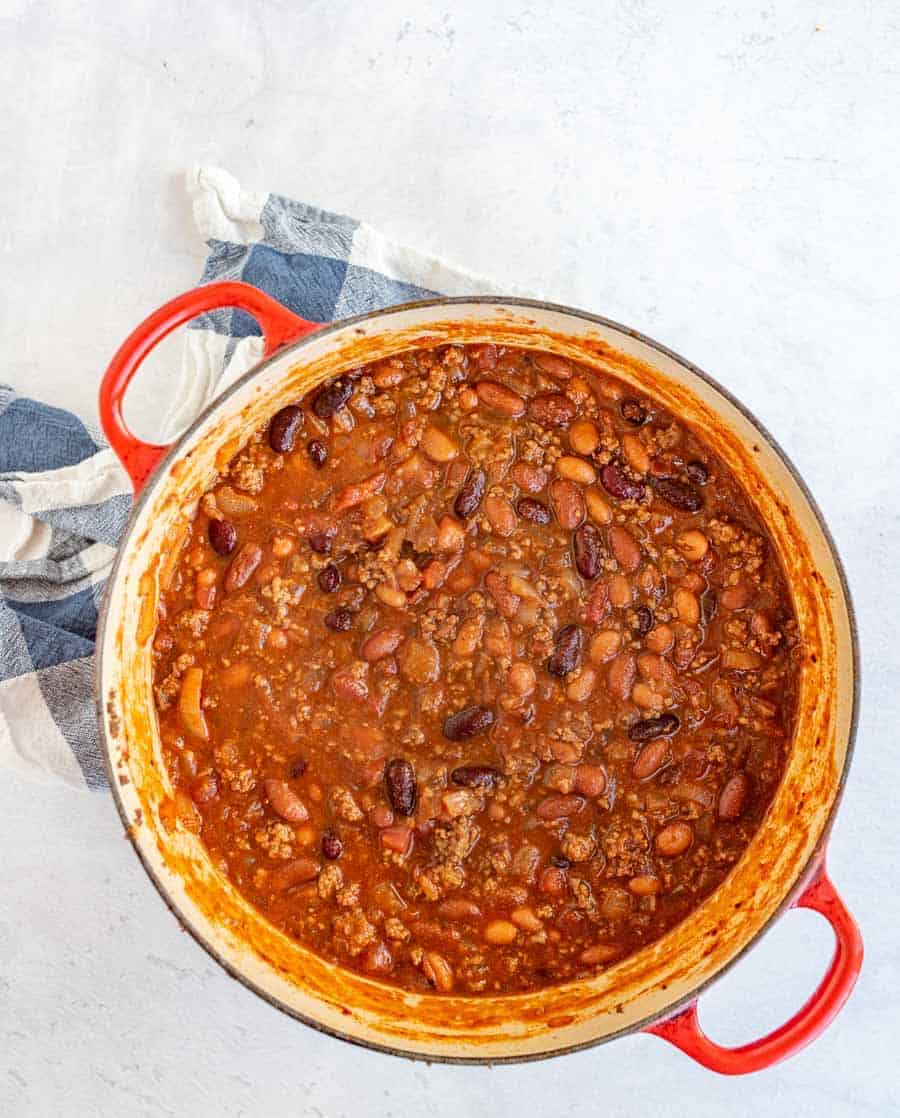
(724, 179)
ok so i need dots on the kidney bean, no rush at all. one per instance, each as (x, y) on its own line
(329, 579)
(533, 511)
(294, 873)
(332, 847)
(643, 620)
(469, 497)
(651, 759)
(588, 550)
(498, 398)
(339, 620)
(286, 802)
(619, 485)
(242, 566)
(679, 495)
(467, 723)
(318, 452)
(381, 644)
(633, 412)
(697, 472)
(566, 656)
(552, 409)
(332, 397)
(401, 785)
(663, 726)
(476, 776)
(283, 428)
(674, 839)
(568, 503)
(734, 797)
(321, 543)
(560, 807)
(222, 536)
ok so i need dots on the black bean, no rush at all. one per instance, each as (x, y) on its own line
(222, 536)
(469, 497)
(709, 606)
(587, 545)
(297, 768)
(320, 542)
(679, 495)
(329, 579)
(618, 484)
(697, 472)
(535, 511)
(332, 397)
(651, 728)
(559, 861)
(644, 620)
(339, 620)
(566, 656)
(476, 776)
(318, 452)
(284, 426)
(468, 722)
(401, 786)
(633, 412)
(332, 847)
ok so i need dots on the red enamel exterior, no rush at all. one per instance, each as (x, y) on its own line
(684, 1031)
(280, 326)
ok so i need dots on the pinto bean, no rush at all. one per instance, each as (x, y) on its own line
(438, 971)
(552, 409)
(674, 839)
(734, 797)
(584, 437)
(568, 503)
(294, 873)
(620, 677)
(530, 478)
(498, 398)
(381, 644)
(501, 515)
(560, 807)
(651, 759)
(500, 932)
(575, 469)
(590, 780)
(625, 548)
(286, 802)
(438, 446)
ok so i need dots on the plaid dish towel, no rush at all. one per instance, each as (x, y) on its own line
(64, 499)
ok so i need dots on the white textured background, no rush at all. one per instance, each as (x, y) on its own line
(721, 175)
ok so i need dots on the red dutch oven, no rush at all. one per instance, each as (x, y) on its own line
(655, 990)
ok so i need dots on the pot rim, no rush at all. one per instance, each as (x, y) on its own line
(173, 453)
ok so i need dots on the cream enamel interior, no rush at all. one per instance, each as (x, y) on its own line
(635, 990)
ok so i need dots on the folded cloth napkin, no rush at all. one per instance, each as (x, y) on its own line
(64, 499)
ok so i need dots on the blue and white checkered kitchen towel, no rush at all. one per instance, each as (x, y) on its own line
(64, 499)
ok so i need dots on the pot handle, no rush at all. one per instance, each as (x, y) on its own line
(683, 1030)
(279, 326)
